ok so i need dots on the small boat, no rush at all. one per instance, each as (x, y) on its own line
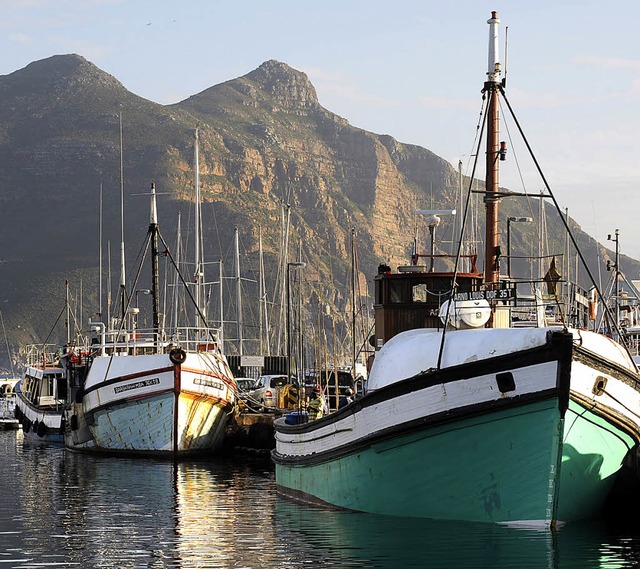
(8, 404)
(480, 407)
(40, 396)
(148, 392)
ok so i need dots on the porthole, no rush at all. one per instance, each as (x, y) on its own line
(506, 382)
(599, 385)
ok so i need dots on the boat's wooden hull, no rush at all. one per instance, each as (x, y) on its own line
(146, 404)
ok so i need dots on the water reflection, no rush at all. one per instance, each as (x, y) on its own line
(66, 509)
(365, 540)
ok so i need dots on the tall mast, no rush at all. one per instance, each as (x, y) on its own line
(100, 261)
(108, 285)
(458, 235)
(284, 260)
(175, 294)
(238, 293)
(155, 287)
(198, 275)
(123, 282)
(353, 301)
(261, 299)
(221, 301)
(492, 199)
(68, 312)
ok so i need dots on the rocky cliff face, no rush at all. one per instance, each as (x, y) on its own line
(267, 147)
(335, 177)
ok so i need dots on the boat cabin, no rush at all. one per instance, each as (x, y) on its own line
(411, 298)
(45, 387)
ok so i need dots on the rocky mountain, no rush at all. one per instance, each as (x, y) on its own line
(267, 147)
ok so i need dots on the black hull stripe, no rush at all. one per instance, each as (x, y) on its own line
(129, 377)
(125, 400)
(539, 355)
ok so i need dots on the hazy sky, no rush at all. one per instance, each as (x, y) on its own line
(412, 69)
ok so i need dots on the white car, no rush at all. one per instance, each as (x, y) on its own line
(245, 384)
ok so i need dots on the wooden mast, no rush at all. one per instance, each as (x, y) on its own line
(492, 199)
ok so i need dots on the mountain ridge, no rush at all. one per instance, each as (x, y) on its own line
(266, 146)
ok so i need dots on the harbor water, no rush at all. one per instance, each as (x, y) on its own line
(63, 509)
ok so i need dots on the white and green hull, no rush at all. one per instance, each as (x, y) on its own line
(456, 445)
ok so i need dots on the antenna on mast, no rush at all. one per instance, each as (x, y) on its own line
(506, 46)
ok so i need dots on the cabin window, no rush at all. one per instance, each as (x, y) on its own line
(61, 387)
(395, 292)
(419, 292)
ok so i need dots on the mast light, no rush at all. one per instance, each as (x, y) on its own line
(503, 150)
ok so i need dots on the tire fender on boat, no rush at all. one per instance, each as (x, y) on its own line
(42, 429)
(177, 356)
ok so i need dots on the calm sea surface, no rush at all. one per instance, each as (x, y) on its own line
(61, 509)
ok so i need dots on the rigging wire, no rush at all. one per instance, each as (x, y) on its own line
(459, 252)
(566, 226)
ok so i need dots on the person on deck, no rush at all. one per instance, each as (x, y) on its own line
(316, 405)
(346, 398)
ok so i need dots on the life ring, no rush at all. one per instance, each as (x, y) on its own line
(177, 356)
(41, 431)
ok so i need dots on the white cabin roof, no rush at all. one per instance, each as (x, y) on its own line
(414, 351)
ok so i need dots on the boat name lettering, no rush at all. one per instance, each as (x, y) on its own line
(500, 294)
(208, 382)
(137, 385)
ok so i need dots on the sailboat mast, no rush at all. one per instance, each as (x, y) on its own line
(123, 282)
(108, 284)
(261, 299)
(68, 311)
(176, 293)
(239, 293)
(492, 199)
(100, 271)
(221, 301)
(198, 276)
(354, 346)
(155, 287)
